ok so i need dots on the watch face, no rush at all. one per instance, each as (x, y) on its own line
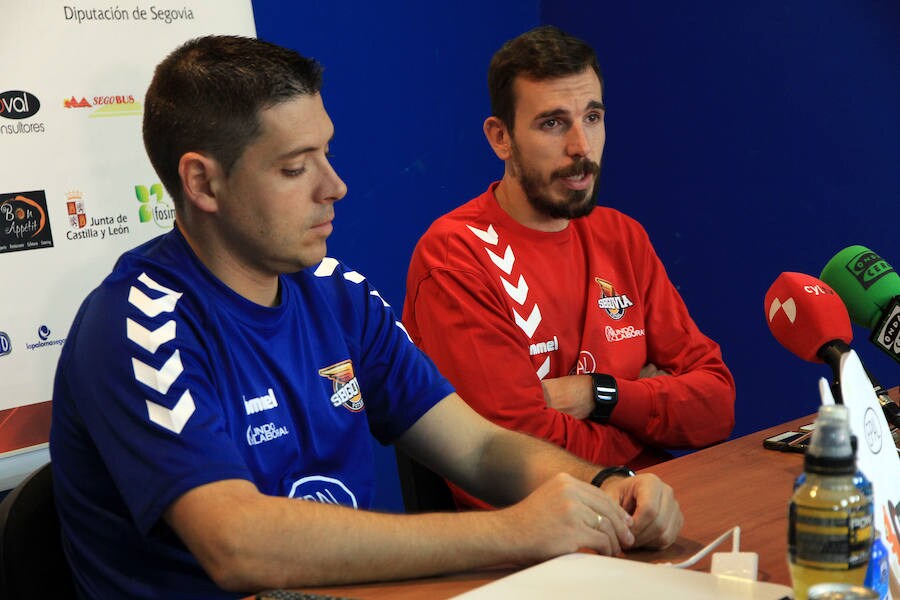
(606, 396)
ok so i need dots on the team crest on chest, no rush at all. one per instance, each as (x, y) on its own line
(345, 385)
(613, 303)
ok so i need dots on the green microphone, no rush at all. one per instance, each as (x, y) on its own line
(870, 288)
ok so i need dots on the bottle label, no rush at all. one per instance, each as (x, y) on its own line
(831, 538)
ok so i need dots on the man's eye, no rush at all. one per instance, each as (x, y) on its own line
(595, 117)
(294, 172)
(550, 124)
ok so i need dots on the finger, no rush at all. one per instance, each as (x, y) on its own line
(604, 503)
(617, 525)
(606, 539)
(659, 522)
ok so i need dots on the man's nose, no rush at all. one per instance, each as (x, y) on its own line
(577, 143)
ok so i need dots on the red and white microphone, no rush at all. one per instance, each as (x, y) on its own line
(811, 320)
(808, 318)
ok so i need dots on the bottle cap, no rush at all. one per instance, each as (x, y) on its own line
(830, 450)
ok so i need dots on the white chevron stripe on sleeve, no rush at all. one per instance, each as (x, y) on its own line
(505, 264)
(326, 267)
(151, 306)
(150, 340)
(400, 325)
(377, 295)
(160, 380)
(530, 324)
(488, 236)
(518, 292)
(354, 277)
(145, 279)
(174, 420)
(544, 368)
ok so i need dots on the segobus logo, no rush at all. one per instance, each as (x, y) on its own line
(16, 104)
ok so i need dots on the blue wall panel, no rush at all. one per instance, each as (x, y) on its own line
(752, 139)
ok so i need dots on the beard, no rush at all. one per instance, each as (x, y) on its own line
(577, 203)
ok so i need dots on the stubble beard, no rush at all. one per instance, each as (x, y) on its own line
(577, 203)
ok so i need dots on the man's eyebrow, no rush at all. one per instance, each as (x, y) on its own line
(302, 150)
(559, 112)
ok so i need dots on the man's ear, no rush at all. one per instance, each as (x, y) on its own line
(498, 136)
(201, 177)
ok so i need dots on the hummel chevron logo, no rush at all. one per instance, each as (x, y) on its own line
(789, 307)
(403, 329)
(488, 237)
(159, 380)
(518, 292)
(175, 419)
(544, 369)
(153, 306)
(150, 340)
(530, 324)
(326, 267)
(377, 295)
(354, 277)
(505, 264)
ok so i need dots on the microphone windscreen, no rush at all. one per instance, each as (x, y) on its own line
(865, 282)
(804, 314)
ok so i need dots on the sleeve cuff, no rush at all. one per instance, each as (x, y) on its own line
(634, 408)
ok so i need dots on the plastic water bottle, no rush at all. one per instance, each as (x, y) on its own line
(830, 516)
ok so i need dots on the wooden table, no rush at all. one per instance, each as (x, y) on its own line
(734, 483)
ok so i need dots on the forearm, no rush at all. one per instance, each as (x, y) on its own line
(513, 464)
(247, 541)
(693, 409)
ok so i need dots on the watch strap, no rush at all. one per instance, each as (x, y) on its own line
(608, 472)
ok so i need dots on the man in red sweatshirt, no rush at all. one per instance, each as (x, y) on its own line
(551, 315)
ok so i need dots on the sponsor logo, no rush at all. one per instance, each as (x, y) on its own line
(624, 333)
(544, 347)
(264, 433)
(867, 268)
(75, 210)
(5, 344)
(327, 490)
(44, 333)
(107, 106)
(23, 221)
(81, 227)
(138, 13)
(872, 430)
(586, 363)
(345, 386)
(265, 402)
(614, 304)
(818, 290)
(153, 206)
(889, 333)
(16, 104)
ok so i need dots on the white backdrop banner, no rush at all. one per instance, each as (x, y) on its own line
(76, 188)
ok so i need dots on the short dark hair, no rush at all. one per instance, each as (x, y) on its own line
(207, 94)
(545, 52)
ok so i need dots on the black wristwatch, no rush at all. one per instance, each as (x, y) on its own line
(606, 395)
(608, 472)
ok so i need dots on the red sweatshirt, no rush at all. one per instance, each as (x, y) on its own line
(499, 307)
